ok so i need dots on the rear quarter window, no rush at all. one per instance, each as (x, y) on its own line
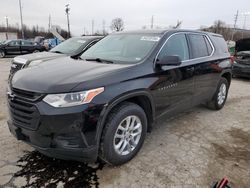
(220, 44)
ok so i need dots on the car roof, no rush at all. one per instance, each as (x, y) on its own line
(89, 37)
(164, 31)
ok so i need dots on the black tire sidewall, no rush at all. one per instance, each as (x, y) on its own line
(2, 51)
(110, 154)
(217, 105)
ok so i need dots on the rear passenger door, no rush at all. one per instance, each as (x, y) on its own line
(175, 85)
(204, 76)
(27, 47)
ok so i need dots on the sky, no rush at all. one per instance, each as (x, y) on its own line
(135, 13)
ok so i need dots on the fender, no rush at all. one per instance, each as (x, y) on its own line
(109, 106)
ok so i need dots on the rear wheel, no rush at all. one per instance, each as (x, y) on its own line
(2, 54)
(220, 95)
(124, 134)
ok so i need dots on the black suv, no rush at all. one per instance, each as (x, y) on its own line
(16, 47)
(104, 103)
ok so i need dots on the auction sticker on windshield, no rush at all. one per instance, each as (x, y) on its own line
(150, 38)
(81, 41)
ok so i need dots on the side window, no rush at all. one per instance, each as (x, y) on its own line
(198, 45)
(176, 45)
(26, 43)
(14, 43)
(220, 44)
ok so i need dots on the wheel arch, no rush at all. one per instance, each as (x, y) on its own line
(227, 75)
(142, 98)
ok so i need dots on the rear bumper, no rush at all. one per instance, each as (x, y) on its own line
(241, 70)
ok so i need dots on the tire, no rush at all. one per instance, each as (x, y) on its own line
(117, 118)
(2, 54)
(36, 51)
(218, 101)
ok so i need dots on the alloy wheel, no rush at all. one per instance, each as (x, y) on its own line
(222, 94)
(127, 135)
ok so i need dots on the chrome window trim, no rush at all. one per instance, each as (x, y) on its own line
(203, 34)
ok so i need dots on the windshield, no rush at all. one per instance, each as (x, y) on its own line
(70, 46)
(122, 48)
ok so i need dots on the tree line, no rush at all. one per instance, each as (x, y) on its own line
(226, 31)
(31, 32)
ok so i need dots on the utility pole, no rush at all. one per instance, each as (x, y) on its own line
(93, 25)
(49, 26)
(103, 27)
(244, 23)
(235, 22)
(84, 31)
(67, 9)
(7, 27)
(21, 16)
(152, 22)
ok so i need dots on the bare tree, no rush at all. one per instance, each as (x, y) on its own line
(220, 27)
(178, 24)
(117, 24)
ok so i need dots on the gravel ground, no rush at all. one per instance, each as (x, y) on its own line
(192, 149)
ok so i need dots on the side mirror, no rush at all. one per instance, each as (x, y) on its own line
(169, 60)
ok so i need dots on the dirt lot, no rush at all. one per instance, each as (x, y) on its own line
(191, 150)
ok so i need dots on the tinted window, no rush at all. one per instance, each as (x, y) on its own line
(221, 45)
(209, 47)
(14, 43)
(176, 45)
(26, 43)
(198, 45)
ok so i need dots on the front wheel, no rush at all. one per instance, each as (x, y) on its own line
(2, 54)
(123, 134)
(220, 96)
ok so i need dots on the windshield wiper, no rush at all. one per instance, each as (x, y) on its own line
(100, 60)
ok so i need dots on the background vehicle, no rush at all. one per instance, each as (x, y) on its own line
(241, 67)
(16, 47)
(104, 104)
(71, 47)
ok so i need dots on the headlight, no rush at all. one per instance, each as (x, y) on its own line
(72, 99)
(34, 63)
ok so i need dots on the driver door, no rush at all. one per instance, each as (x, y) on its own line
(13, 47)
(175, 86)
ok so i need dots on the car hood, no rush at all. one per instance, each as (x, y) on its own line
(62, 75)
(26, 59)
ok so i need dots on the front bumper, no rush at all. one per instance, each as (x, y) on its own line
(242, 70)
(65, 133)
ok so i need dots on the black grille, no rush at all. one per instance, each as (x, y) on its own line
(23, 111)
